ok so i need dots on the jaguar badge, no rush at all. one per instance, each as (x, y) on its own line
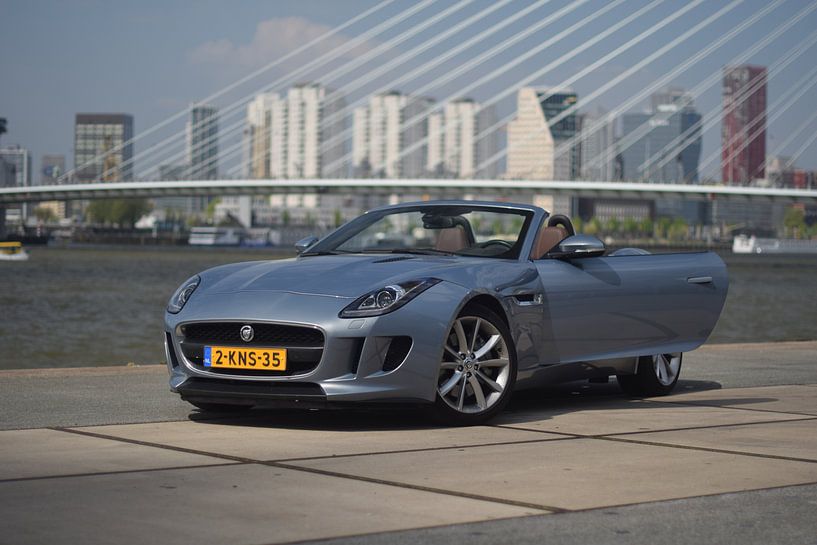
(247, 333)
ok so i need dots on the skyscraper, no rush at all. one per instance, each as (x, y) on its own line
(202, 142)
(383, 145)
(312, 123)
(664, 144)
(743, 136)
(293, 136)
(540, 126)
(51, 168)
(102, 148)
(460, 139)
(597, 147)
(15, 167)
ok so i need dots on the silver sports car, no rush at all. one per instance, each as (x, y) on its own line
(450, 305)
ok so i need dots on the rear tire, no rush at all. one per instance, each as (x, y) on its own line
(478, 369)
(656, 376)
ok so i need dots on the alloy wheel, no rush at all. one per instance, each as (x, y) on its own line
(476, 367)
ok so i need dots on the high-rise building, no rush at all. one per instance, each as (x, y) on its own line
(103, 151)
(414, 137)
(202, 142)
(313, 123)
(20, 160)
(15, 167)
(389, 136)
(662, 145)
(295, 136)
(597, 147)
(542, 123)
(743, 134)
(258, 136)
(51, 168)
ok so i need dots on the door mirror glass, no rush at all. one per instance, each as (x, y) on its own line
(305, 243)
(579, 246)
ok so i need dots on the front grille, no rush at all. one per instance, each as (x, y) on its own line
(304, 345)
(265, 334)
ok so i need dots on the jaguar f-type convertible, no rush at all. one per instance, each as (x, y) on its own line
(451, 305)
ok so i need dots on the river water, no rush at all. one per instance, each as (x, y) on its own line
(70, 307)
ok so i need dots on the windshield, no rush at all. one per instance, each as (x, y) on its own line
(458, 230)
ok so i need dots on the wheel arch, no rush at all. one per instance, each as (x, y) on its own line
(490, 302)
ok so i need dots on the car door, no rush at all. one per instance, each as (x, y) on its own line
(613, 306)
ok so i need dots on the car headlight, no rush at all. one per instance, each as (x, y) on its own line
(182, 295)
(387, 299)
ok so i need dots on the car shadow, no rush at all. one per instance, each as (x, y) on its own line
(527, 405)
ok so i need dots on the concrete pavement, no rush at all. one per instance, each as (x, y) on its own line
(105, 455)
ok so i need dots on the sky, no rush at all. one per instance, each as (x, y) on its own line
(153, 58)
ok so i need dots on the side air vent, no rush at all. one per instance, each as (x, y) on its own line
(397, 352)
(171, 351)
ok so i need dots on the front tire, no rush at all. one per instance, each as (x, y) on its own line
(656, 376)
(478, 369)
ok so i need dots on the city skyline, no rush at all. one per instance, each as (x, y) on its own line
(243, 40)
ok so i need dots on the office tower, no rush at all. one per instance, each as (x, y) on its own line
(202, 142)
(258, 136)
(51, 168)
(295, 136)
(314, 120)
(460, 139)
(414, 137)
(103, 151)
(15, 171)
(459, 144)
(662, 145)
(435, 155)
(597, 147)
(743, 133)
(541, 125)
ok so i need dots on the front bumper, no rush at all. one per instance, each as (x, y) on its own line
(354, 365)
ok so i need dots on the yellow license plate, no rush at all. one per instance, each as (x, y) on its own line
(231, 357)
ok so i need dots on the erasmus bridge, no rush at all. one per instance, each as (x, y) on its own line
(450, 50)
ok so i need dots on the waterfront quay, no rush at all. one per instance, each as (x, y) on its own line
(108, 454)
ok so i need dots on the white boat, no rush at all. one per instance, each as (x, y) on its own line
(12, 251)
(215, 236)
(743, 244)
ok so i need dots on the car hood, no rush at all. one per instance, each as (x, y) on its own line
(338, 276)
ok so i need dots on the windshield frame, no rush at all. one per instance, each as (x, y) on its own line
(345, 232)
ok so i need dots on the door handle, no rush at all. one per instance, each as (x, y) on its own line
(699, 279)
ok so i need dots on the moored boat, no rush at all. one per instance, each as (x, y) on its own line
(12, 251)
(743, 244)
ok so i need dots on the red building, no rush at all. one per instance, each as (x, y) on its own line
(743, 137)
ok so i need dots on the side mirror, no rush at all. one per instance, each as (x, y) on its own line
(304, 244)
(579, 246)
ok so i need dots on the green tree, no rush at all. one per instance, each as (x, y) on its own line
(663, 227)
(646, 227)
(45, 214)
(678, 229)
(211, 209)
(285, 218)
(578, 224)
(612, 226)
(338, 218)
(794, 222)
(630, 227)
(121, 212)
(593, 227)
